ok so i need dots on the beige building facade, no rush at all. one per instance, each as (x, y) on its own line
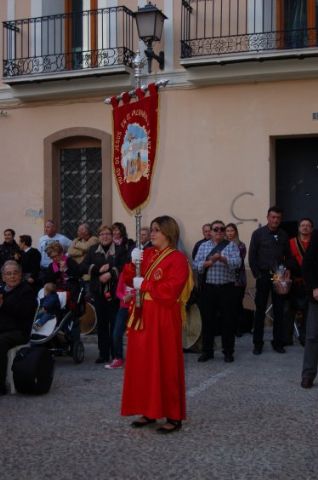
(238, 121)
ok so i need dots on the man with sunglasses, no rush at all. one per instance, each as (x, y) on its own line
(217, 259)
(269, 248)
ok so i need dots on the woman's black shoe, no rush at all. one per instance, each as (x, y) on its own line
(143, 422)
(173, 426)
(3, 390)
(100, 360)
(204, 357)
(228, 357)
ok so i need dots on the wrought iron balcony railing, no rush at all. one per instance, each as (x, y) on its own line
(67, 42)
(224, 27)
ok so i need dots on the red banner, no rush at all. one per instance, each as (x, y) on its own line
(134, 145)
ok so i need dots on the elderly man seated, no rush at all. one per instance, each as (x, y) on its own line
(17, 309)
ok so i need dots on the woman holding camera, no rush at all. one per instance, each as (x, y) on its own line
(103, 263)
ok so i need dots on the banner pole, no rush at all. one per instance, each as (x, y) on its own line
(138, 63)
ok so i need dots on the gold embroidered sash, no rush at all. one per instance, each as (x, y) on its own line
(135, 319)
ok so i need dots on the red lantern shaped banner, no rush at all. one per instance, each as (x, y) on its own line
(134, 145)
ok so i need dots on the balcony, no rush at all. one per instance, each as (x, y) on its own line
(223, 31)
(66, 45)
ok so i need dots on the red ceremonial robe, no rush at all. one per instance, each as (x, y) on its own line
(154, 383)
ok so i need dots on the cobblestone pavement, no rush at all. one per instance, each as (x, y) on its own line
(246, 420)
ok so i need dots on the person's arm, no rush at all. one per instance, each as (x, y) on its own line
(198, 263)
(231, 256)
(50, 276)
(74, 249)
(35, 264)
(85, 246)
(66, 242)
(242, 249)
(288, 259)
(310, 264)
(195, 249)
(72, 268)
(88, 265)
(252, 254)
(22, 307)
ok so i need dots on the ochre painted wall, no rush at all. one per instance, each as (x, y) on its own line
(214, 143)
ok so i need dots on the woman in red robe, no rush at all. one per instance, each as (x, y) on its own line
(154, 384)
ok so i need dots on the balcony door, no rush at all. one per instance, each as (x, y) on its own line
(297, 178)
(297, 19)
(80, 34)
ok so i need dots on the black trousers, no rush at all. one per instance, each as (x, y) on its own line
(218, 299)
(264, 286)
(311, 346)
(238, 311)
(8, 340)
(106, 315)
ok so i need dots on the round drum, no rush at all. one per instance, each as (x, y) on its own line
(88, 320)
(191, 332)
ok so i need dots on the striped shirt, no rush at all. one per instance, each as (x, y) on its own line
(219, 273)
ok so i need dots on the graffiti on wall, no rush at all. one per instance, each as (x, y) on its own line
(35, 215)
(235, 207)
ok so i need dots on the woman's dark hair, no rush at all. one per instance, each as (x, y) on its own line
(169, 228)
(232, 225)
(27, 239)
(121, 227)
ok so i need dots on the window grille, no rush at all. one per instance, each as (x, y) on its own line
(80, 189)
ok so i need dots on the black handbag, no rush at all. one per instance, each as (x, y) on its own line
(33, 370)
(202, 276)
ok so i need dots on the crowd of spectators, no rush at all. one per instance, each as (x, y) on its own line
(219, 267)
(286, 274)
(58, 264)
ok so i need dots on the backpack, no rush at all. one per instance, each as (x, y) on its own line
(33, 370)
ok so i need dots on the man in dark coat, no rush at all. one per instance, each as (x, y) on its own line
(310, 273)
(17, 309)
(30, 261)
(269, 248)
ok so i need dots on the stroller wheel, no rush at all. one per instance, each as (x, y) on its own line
(78, 352)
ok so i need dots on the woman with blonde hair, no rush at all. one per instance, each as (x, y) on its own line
(154, 384)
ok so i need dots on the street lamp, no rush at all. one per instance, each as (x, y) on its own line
(149, 20)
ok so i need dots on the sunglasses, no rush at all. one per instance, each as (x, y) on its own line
(218, 229)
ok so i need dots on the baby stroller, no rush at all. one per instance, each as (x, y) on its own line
(61, 334)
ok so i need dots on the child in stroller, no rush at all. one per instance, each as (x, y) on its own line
(62, 333)
(49, 306)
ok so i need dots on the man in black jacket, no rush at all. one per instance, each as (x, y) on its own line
(269, 248)
(310, 273)
(17, 309)
(30, 261)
